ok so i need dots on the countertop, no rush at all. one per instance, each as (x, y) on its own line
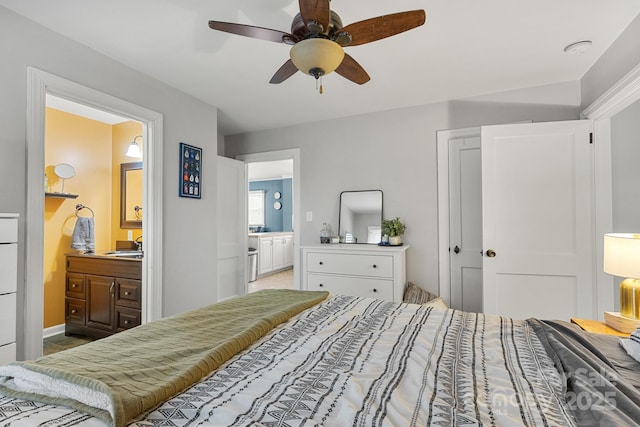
(270, 233)
(104, 254)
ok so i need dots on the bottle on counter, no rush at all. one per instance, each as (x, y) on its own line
(325, 233)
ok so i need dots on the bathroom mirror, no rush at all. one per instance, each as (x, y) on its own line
(360, 216)
(131, 195)
(64, 171)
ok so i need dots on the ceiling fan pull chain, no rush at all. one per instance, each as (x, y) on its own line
(320, 90)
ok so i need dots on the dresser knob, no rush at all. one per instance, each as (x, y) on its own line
(321, 263)
(127, 293)
(126, 322)
(74, 285)
(375, 266)
(375, 290)
(321, 285)
(74, 311)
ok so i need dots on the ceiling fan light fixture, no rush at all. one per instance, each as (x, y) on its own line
(316, 56)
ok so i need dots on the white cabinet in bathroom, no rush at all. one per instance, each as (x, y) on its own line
(275, 251)
(358, 270)
(8, 286)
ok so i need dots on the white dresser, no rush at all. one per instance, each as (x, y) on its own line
(359, 270)
(8, 286)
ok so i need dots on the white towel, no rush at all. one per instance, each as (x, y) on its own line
(83, 237)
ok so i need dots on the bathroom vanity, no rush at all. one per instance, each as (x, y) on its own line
(103, 294)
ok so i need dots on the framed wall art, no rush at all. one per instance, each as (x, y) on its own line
(190, 171)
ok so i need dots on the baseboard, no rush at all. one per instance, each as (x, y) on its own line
(53, 330)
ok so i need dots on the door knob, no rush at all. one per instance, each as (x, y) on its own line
(491, 253)
(456, 249)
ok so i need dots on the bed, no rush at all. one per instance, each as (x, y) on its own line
(305, 359)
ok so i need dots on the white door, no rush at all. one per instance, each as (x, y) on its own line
(288, 251)
(537, 220)
(277, 254)
(465, 222)
(231, 227)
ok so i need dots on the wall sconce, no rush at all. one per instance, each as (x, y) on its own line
(134, 149)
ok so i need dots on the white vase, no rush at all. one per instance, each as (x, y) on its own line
(395, 240)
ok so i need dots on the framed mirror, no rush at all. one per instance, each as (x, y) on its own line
(360, 217)
(131, 195)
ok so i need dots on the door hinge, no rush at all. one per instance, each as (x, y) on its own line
(591, 138)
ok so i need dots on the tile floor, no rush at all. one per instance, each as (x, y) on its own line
(61, 342)
(281, 280)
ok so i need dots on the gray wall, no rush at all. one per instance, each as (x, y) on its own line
(625, 153)
(394, 151)
(616, 62)
(189, 231)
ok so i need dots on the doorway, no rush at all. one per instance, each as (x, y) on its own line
(276, 176)
(93, 144)
(41, 83)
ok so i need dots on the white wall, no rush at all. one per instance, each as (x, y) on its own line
(189, 231)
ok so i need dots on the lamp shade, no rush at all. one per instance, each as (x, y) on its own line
(316, 56)
(622, 254)
(134, 148)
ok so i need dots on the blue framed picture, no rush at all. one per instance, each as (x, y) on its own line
(190, 171)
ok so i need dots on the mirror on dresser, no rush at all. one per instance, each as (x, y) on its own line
(131, 195)
(360, 216)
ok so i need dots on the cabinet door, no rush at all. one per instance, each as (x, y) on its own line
(288, 251)
(129, 293)
(277, 253)
(100, 302)
(264, 255)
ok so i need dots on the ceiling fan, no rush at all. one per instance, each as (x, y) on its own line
(317, 38)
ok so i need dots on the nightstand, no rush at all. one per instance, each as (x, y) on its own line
(597, 327)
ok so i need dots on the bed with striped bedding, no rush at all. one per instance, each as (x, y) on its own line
(364, 362)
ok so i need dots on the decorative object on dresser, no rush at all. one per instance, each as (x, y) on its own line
(393, 229)
(358, 270)
(622, 258)
(103, 295)
(8, 286)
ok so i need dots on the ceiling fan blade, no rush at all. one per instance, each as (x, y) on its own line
(316, 10)
(287, 70)
(253, 32)
(384, 26)
(351, 70)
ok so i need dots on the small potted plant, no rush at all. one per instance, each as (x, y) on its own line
(394, 229)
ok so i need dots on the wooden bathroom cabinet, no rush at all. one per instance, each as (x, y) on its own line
(103, 295)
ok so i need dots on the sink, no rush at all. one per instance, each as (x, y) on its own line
(129, 254)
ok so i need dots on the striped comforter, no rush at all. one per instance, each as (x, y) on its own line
(363, 362)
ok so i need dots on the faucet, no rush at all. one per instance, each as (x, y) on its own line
(138, 242)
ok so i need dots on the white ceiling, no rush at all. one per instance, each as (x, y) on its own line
(467, 48)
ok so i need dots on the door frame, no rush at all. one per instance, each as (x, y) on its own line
(621, 95)
(270, 156)
(39, 83)
(442, 149)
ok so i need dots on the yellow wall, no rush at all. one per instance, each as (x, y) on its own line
(88, 146)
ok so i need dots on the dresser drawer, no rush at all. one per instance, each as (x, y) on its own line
(129, 293)
(355, 286)
(8, 268)
(75, 311)
(352, 264)
(7, 318)
(127, 318)
(75, 286)
(8, 230)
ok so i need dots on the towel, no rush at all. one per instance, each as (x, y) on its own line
(83, 237)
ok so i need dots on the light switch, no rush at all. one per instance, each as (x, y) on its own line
(309, 216)
(129, 235)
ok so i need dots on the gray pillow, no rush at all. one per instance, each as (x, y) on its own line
(414, 294)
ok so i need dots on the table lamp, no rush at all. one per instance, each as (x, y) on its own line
(622, 258)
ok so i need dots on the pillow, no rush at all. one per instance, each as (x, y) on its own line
(437, 303)
(632, 345)
(414, 294)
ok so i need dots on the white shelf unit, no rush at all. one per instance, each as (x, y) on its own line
(8, 286)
